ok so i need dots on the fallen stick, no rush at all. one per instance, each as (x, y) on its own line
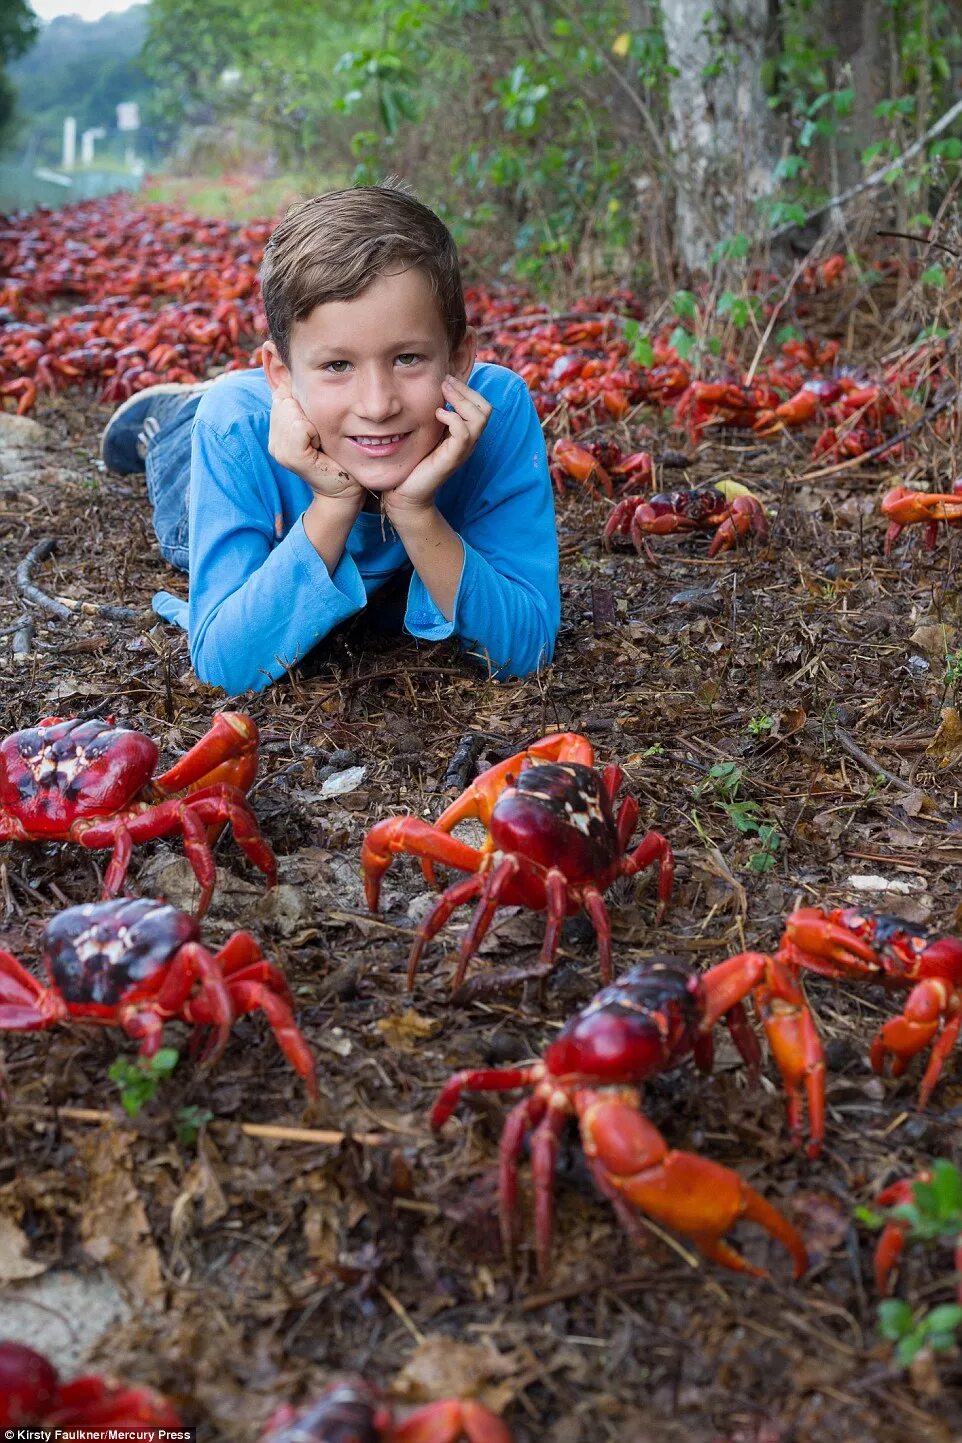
(274, 1132)
(62, 606)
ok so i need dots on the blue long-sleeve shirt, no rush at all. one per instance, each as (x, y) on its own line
(260, 595)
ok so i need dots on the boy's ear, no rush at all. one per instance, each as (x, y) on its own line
(278, 375)
(463, 358)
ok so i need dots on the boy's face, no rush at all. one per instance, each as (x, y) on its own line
(367, 374)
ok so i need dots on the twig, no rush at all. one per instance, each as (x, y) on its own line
(774, 317)
(923, 240)
(471, 746)
(848, 744)
(23, 640)
(877, 178)
(62, 606)
(274, 1132)
(25, 586)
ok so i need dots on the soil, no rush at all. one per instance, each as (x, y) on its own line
(259, 1269)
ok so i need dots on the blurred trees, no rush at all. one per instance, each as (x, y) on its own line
(568, 142)
(18, 28)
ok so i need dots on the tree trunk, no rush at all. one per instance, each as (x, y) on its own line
(855, 33)
(722, 133)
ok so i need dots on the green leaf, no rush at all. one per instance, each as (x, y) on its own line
(735, 248)
(908, 1347)
(947, 1187)
(683, 342)
(944, 1319)
(950, 149)
(789, 333)
(790, 166)
(894, 1318)
(933, 276)
(684, 305)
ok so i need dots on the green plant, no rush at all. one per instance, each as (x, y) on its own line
(139, 1079)
(911, 1332)
(655, 750)
(953, 669)
(760, 726)
(188, 1123)
(724, 780)
(932, 1214)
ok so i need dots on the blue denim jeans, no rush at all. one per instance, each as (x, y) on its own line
(168, 482)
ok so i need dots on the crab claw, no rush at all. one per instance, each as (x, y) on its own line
(814, 940)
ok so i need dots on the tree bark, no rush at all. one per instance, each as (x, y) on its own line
(723, 138)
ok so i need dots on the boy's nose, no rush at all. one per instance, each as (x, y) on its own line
(378, 396)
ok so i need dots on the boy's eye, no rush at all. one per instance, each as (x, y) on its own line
(409, 358)
(337, 367)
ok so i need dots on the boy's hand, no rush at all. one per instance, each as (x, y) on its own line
(465, 424)
(294, 443)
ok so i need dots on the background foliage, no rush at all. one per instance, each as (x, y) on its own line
(544, 132)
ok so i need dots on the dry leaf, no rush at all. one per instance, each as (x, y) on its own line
(946, 745)
(443, 1367)
(114, 1227)
(935, 641)
(200, 1185)
(14, 1245)
(405, 1031)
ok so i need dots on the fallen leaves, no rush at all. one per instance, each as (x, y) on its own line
(114, 1227)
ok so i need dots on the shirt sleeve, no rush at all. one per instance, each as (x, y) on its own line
(257, 605)
(508, 605)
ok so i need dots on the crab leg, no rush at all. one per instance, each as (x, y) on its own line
(653, 847)
(928, 1007)
(189, 816)
(789, 1027)
(256, 997)
(25, 1004)
(228, 753)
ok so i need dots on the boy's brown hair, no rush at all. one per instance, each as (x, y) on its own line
(332, 247)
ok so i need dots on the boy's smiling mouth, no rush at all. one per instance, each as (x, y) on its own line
(380, 445)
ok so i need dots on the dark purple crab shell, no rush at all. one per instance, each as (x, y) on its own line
(347, 1412)
(558, 814)
(644, 1023)
(98, 952)
(696, 505)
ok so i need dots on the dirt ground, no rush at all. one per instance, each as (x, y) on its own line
(258, 1269)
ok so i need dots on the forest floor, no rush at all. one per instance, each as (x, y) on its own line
(257, 1269)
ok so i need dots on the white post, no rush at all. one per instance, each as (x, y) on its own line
(69, 143)
(87, 140)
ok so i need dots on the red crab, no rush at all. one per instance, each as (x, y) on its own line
(896, 953)
(706, 509)
(32, 1395)
(136, 963)
(888, 1250)
(352, 1411)
(554, 844)
(647, 1022)
(927, 508)
(93, 782)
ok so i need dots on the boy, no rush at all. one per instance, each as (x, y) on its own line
(359, 451)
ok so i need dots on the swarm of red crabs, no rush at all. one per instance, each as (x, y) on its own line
(119, 295)
(136, 964)
(94, 783)
(554, 844)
